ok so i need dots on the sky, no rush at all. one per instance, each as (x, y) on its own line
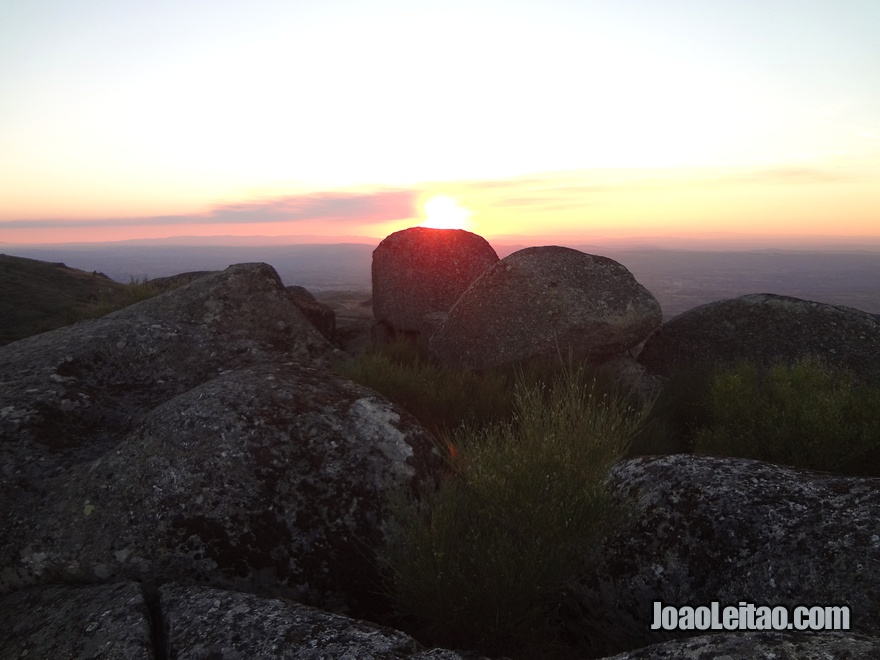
(689, 119)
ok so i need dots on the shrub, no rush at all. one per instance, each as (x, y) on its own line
(807, 415)
(484, 561)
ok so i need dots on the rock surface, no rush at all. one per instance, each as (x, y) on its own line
(204, 623)
(751, 645)
(320, 315)
(105, 621)
(270, 479)
(419, 273)
(723, 529)
(767, 328)
(194, 436)
(188, 622)
(76, 390)
(544, 302)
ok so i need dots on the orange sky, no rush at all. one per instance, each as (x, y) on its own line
(540, 118)
(581, 205)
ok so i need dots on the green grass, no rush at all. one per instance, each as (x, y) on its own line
(440, 398)
(807, 415)
(484, 562)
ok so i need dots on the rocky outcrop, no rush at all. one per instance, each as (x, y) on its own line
(765, 329)
(749, 645)
(272, 478)
(729, 530)
(188, 622)
(208, 623)
(61, 621)
(194, 436)
(544, 302)
(419, 273)
(78, 389)
(320, 315)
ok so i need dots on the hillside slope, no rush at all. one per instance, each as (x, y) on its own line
(37, 296)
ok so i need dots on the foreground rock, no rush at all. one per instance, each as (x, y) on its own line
(766, 328)
(187, 622)
(272, 479)
(106, 621)
(544, 302)
(419, 273)
(208, 623)
(721, 529)
(777, 645)
(72, 393)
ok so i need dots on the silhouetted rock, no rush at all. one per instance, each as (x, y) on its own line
(419, 273)
(765, 329)
(172, 282)
(320, 315)
(749, 645)
(106, 621)
(544, 302)
(272, 478)
(208, 623)
(709, 529)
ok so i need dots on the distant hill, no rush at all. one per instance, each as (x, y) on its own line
(37, 296)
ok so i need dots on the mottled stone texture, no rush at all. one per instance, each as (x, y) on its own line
(107, 621)
(195, 436)
(419, 273)
(723, 529)
(753, 645)
(75, 391)
(271, 478)
(544, 302)
(203, 623)
(766, 328)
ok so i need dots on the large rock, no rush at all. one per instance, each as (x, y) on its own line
(77, 390)
(188, 622)
(208, 623)
(106, 621)
(766, 328)
(709, 529)
(419, 273)
(272, 478)
(749, 645)
(543, 302)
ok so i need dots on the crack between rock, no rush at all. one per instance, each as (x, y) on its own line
(158, 634)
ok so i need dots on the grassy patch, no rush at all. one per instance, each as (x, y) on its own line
(440, 398)
(484, 562)
(806, 415)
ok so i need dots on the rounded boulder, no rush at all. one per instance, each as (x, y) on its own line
(419, 273)
(542, 302)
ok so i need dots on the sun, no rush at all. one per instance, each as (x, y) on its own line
(443, 212)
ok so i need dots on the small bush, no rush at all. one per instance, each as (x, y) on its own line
(807, 415)
(484, 562)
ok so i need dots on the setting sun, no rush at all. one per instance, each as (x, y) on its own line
(444, 213)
